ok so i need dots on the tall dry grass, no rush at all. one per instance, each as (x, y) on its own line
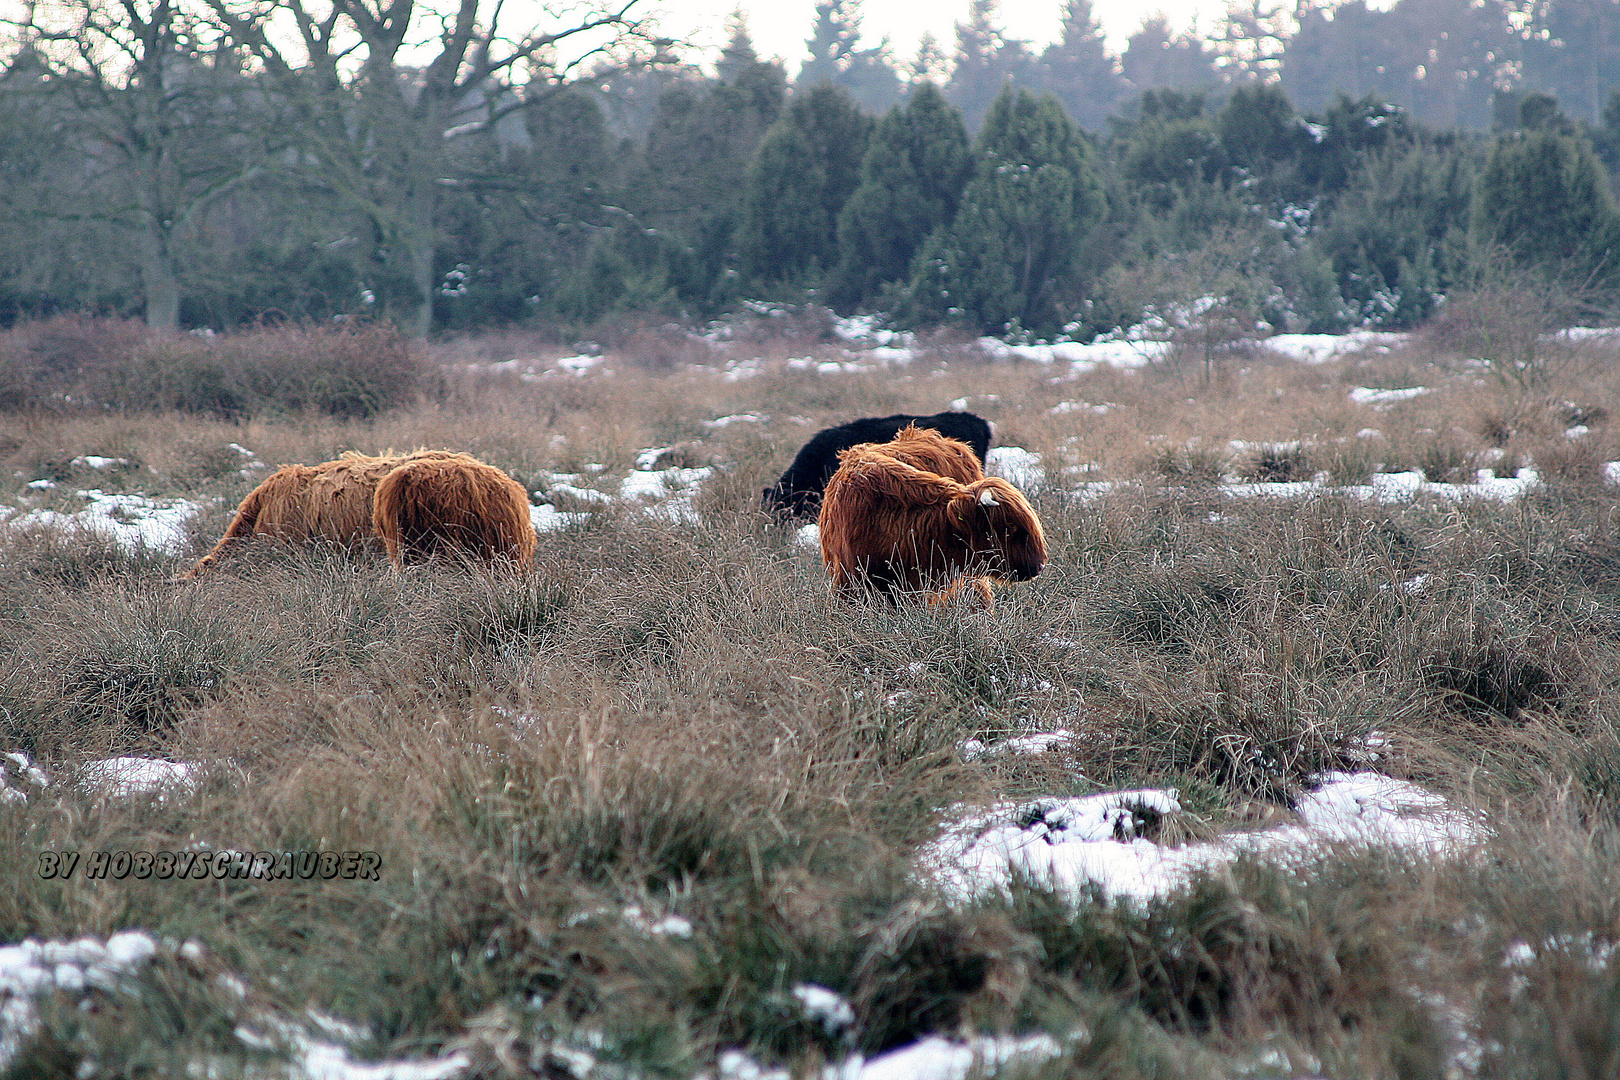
(678, 718)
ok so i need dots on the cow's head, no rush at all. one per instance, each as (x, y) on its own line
(1002, 533)
(785, 504)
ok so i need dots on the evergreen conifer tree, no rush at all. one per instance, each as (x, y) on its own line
(836, 59)
(807, 167)
(1009, 262)
(986, 61)
(912, 176)
(1396, 230)
(1078, 70)
(1544, 197)
(1156, 58)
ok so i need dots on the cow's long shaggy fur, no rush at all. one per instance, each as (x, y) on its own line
(797, 494)
(891, 527)
(304, 504)
(453, 505)
(336, 502)
(927, 450)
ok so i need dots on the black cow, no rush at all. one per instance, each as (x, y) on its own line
(798, 493)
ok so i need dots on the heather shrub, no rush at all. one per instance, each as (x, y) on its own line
(73, 363)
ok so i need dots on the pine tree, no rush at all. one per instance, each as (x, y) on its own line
(1544, 197)
(1156, 58)
(986, 61)
(931, 64)
(831, 43)
(1263, 140)
(1172, 147)
(807, 167)
(1009, 262)
(1396, 230)
(739, 53)
(912, 176)
(679, 210)
(835, 58)
(1346, 135)
(1078, 70)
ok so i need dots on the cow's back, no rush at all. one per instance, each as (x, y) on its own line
(798, 492)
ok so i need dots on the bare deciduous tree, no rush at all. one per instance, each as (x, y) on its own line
(386, 94)
(163, 117)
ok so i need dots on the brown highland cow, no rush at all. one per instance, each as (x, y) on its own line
(435, 505)
(891, 527)
(335, 502)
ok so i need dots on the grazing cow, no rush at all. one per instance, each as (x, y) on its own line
(891, 527)
(334, 502)
(303, 504)
(798, 493)
(445, 504)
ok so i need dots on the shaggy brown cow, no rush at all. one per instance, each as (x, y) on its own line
(453, 505)
(336, 502)
(891, 527)
(301, 504)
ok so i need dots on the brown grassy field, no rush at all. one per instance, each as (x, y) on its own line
(671, 714)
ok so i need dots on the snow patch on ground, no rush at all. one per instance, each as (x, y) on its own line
(124, 777)
(1401, 487)
(1069, 844)
(1320, 348)
(1016, 465)
(33, 969)
(579, 365)
(666, 926)
(1019, 746)
(87, 967)
(863, 329)
(820, 1003)
(1590, 333)
(1381, 399)
(132, 521)
(18, 775)
(547, 518)
(933, 1058)
(735, 418)
(110, 778)
(1081, 358)
(666, 493)
(579, 494)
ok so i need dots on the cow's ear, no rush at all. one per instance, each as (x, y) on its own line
(959, 511)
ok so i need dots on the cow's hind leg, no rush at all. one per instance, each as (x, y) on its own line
(980, 586)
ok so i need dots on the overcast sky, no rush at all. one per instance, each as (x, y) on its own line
(780, 27)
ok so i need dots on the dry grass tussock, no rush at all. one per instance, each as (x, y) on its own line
(675, 717)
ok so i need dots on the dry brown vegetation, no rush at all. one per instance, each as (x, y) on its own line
(677, 717)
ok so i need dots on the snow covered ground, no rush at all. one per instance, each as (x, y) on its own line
(114, 968)
(1095, 840)
(133, 521)
(317, 1047)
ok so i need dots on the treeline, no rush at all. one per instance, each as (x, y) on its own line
(202, 169)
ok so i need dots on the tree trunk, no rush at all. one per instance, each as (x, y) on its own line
(416, 258)
(159, 283)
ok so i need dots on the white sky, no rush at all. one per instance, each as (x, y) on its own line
(780, 27)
